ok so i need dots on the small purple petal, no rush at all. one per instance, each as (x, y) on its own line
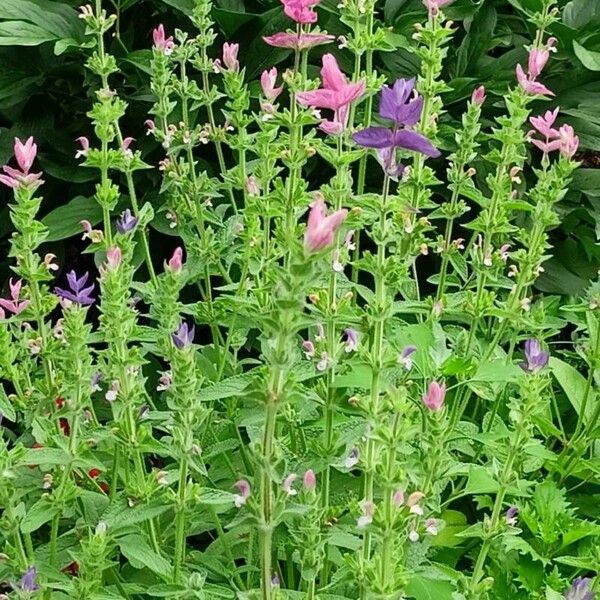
(411, 140)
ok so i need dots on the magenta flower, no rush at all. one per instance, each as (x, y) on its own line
(77, 293)
(175, 263)
(184, 336)
(268, 79)
(321, 228)
(25, 154)
(301, 11)
(433, 399)
(230, 53)
(336, 95)
(161, 42)
(478, 96)
(535, 358)
(538, 57)
(244, 488)
(401, 106)
(14, 305)
(296, 41)
(127, 222)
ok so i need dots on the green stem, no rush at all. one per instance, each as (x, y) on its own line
(180, 537)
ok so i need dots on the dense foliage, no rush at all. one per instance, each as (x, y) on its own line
(300, 300)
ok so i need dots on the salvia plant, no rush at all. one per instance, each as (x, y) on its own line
(343, 383)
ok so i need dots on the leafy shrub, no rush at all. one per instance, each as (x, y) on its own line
(309, 354)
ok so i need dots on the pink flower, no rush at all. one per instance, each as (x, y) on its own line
(310, 480)
(368, 510)
(175, 263)
(478, 96)
(25, 154)
(244, 488)
(125, 146)
(398, 498)
(301, 10)
(150, 126)
(538, 57)
(295, 41)
(14, 305)
(252, 186)
(433, 399)
(309, 349)
(321, 228)
(544, 125)
(268, 79)
(161, 42)
(230, 53)
(85, 147)
(433, 6)
(569, 142)
(113, 258)
(336, 94)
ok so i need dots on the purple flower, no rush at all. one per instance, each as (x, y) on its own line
(351, 339)
(535, 358)
(580, 590)
(511, 516)
(405, 358)
(352, 458)
(28, 581)
(127, 222)
(78, 292)
(184, 336)
(275, 580)
(399, 105)
(244, 492)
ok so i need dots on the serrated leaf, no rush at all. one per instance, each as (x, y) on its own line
(40, 513)
(138, 552)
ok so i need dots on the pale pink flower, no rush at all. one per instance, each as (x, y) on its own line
(25, 154)
(321, 228)
(538, 57)
(15, 305)
(309, 349)
(252, 186)
(398, 498)
(433, 399)
(431, 526)
(230, 53)
(150, 126)
(433, 6)
(268, 79)
(161, 42)
(544, 123)
(323, 362)
(288, 484)
(295, 41)
(368, 510)
(310, 480)
(244, 488)
(125, 146)
(569, 142)
(175, 263)
(113, 258)
(85, 147)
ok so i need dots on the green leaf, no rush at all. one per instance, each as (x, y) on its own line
(120, 514)
(65, 221)
(573, 384)
(227, 388)
(480, 481)
(215, 497)
(139, 553)
(425, 587)
(579, 14)
(21, 33)
(6, 408)
(589, 59)
(48, 457)
(41, 512)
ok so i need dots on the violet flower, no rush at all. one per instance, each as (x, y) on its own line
(401, 106)
(351, 339)
(580, 590)
(78, 292)
(405, 358)
(127, 222)
(535, 358)
(28, 581)
(511, 516)
(184, 336)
